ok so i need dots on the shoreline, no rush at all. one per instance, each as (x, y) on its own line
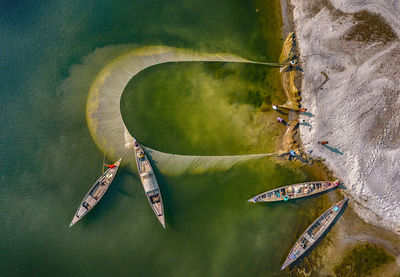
(354, 109)
(351, 229)
(287, 18)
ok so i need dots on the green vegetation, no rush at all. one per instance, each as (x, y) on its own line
(362, 260)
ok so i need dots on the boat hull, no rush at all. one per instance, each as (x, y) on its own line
(96, 192)
(295, 191)
(149, 182)
(314, 232)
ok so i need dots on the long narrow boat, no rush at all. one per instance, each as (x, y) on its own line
(96, 192)
(294, 191)
(314, 232)
(149, 182)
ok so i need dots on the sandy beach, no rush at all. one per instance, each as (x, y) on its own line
(349, 52)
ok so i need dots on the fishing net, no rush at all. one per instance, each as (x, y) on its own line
(289, 74)
(104, 114)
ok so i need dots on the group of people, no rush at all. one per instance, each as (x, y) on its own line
(299, 111)
(281, 120)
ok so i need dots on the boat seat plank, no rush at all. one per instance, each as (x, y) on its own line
(90, 200)
(308, 237)
(99, 192)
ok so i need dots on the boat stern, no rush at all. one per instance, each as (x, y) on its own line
(284, 266)
(74, 220)
(117, 163)
(336, 183)
(253, 199)
(162, 220)
(341, 204)
(286, 263)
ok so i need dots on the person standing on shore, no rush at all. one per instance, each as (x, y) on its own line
(274, 107)
(323, 142)
(281, 120)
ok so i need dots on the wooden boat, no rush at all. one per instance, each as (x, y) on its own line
(294, 191)
(313, 233)
(96, 192)
(149, 182)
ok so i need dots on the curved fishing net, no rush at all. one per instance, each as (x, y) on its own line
(104, 114)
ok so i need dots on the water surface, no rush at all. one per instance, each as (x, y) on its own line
(52, 51)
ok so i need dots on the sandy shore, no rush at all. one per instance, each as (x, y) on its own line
(356, 44)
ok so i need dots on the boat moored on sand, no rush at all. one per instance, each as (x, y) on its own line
(294, 191)
(149, 182)
(96, 192)
(314, 232)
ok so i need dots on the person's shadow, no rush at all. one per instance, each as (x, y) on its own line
(284, 122)
(306, 124)
(307, 114)
(333, 149)
(282, 112)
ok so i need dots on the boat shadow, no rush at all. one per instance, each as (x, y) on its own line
(342, 186)
(306, 124)
(282, 112)
(122, 190)
(301, 259)
(110, 199)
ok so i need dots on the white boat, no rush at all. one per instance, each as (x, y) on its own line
(295, 191)
(314, 232)
(149, 182)
(96, 192)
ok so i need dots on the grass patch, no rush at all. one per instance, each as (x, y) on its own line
(362, 260)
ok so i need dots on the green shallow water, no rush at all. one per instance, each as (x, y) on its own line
(204, 108)
(52, 53)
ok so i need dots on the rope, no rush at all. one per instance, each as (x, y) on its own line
(102, 166)
(126, 152)
(273, 64)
